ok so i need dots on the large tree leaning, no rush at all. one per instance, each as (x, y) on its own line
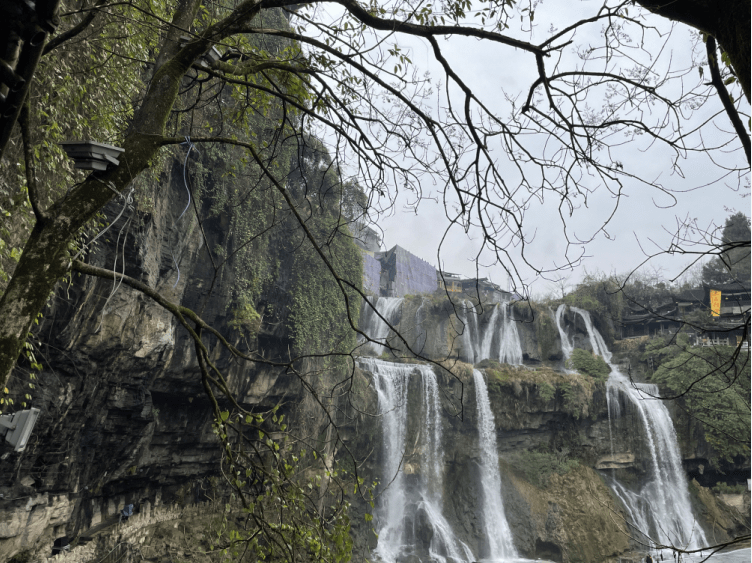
(46, 254)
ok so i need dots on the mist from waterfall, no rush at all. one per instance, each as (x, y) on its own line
(498, 534)
(661, 509)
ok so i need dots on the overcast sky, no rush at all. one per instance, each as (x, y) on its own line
(644, 215)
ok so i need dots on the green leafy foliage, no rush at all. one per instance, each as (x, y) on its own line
(494, 369)
(713, 384)
(319, 314)
(245, 317)
(294, 507)
(589, 364)
(546, 391)
(726, 489)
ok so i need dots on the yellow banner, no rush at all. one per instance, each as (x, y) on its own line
(715, 302)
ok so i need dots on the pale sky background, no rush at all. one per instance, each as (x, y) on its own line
(644, 213)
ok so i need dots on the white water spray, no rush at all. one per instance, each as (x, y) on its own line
(510, 349)
(488, 334)
(566, 345)
(464, 313)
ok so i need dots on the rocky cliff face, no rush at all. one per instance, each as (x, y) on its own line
(124, 418)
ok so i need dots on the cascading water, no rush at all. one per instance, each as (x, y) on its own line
(501, 329)
(469, 321)
(498, 534)
(566, 344)
(373, 326)
(412, 503)
(485, 347)
(406, 508)
(661, 509)
(420, 334)
(663, 501)
(510, 350)
(474, 329)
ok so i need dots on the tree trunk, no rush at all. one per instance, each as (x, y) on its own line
(46, 258)
(728, 22)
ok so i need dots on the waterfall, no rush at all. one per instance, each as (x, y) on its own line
(510, 349)
(498, 534)
(485, 347)
(373, 326)
(501, 325)
(566, 345)
(474, 330)
(596, 340)
(470, 331)
(661, 509)
(663, 502)
(391, 388)
(405, 509)
(419, 318)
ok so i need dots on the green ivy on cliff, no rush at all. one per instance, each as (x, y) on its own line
(318, 319)
(538, 465)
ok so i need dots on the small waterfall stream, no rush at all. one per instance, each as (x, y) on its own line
(510, 349)
(497, 339)
(373, 326)
(661, 509)
(566, 344)
(466, 311)
(411, 521)
(488, 335)
(498, 534)
(420, 333)
(500, 329)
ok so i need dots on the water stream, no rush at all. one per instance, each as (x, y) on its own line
(661, 508)
(499, 339)
(510, 349)
(374, 326)
(498, 534)
(410, 517)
